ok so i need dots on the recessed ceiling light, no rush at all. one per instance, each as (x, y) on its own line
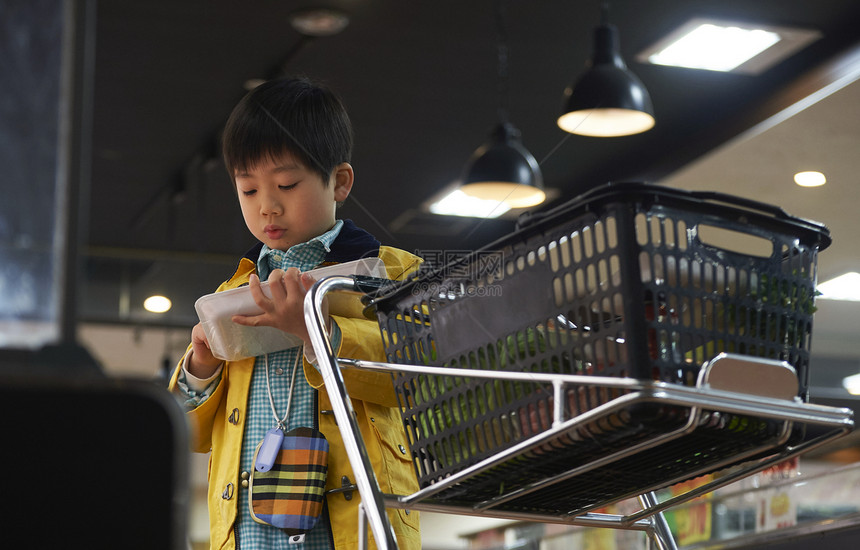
(844, 287)
(157, 304)
(809, 179)
(728, 46)
(319, 21)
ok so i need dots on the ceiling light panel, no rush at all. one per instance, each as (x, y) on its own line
(457, 203)
(845, 287)
(727, 46)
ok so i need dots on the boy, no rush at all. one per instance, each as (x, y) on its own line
(287, 146)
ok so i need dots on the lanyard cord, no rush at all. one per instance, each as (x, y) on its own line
(281, 422)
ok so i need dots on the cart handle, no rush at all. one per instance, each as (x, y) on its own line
(371, 497)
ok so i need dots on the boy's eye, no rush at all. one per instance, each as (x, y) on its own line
(288, 187)
(249, 193)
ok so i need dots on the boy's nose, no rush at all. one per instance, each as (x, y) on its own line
(272, 207)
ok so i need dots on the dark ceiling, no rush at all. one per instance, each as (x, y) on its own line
(420, 81)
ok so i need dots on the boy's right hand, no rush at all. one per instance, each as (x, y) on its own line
(201, 362)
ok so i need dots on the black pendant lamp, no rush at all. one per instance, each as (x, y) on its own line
(608, 100)
(502, 169)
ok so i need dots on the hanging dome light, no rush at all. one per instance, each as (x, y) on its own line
(502, 169)
(608, 100)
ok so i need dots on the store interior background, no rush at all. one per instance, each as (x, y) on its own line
(420, 81)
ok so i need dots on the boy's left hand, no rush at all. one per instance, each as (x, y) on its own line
(285, 309)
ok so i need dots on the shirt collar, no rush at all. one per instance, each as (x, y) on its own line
(304, 256)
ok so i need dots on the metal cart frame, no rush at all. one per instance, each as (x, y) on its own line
(829, 423)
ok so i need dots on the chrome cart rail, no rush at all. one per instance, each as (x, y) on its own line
(829, 421)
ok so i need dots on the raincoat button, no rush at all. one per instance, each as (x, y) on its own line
(402, 449)
(234, 417)
(228, 492)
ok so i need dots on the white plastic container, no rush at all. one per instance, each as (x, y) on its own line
(230, 341)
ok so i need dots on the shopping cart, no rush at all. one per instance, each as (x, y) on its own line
(632, 339)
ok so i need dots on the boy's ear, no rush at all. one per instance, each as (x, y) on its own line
(343, 178)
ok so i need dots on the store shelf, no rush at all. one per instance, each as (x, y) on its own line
(785, 509)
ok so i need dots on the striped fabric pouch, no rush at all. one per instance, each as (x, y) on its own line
(290, 495)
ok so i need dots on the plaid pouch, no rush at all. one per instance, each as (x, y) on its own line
(290, 495)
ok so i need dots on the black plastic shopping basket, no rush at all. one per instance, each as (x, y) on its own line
(630, 281)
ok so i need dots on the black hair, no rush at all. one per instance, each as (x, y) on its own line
(288, 115)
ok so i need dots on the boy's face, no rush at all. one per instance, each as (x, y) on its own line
(285, 204)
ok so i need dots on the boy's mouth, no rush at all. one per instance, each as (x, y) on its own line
(274, 232)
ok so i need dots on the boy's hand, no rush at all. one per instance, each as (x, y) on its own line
(201, 362)
(285, 309)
